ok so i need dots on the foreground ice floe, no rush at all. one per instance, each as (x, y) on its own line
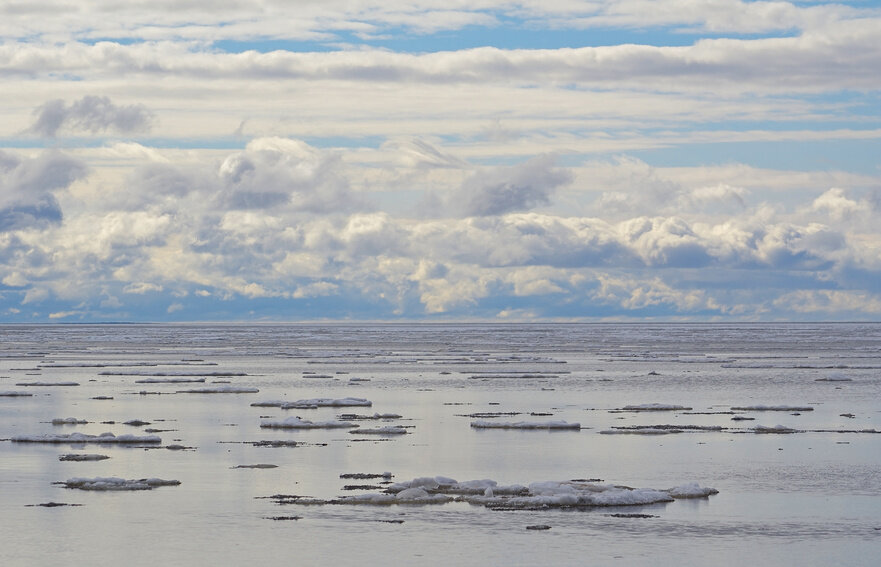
(315, 403)
(85, 438)
(536, 496)
(298, 423)
(487, 424)
(115, 483)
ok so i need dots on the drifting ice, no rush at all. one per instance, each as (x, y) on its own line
(315, 403)
(115, 483)
(487, 424)
(84, 438)
(297, 423)
(221, 390)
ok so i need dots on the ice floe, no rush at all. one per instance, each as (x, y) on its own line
(388, 430)
(536, 496)
(48, 384)
(356, 416)
(773, 429)
(314, 403)
(221, 390)
(14, 394)
(115, 483)
(655, 407)
(772, 408)
(835, 377)
(82, 457)
(298, 423)
(68, 421)
(85, 438)
(640, 431)
(181, 380)
(557, 424)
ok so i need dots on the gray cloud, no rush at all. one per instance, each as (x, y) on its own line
(92, 115)
(508, 189)
(26, 186)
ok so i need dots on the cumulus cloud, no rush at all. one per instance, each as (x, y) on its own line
(90, 115)
(27, 187)
(500, 190)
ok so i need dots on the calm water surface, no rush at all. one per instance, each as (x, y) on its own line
(812, 497)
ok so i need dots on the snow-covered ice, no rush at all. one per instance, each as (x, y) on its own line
(85, 438)
(557, 424)
(536, 496)
(298, 423)
(116, 483)
(773, 429)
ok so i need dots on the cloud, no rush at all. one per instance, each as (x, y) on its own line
(91, 115)
(27, 187)
(500, 190)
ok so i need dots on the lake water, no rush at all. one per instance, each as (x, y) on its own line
(810, 496)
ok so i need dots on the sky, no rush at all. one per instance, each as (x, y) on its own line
(440, 160)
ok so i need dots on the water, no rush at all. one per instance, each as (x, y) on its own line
(812, 497)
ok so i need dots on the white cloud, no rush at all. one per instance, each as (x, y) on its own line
(90, 114)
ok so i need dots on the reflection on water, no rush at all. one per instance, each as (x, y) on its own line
(810, 497)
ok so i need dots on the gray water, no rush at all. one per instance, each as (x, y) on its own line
(811, 497)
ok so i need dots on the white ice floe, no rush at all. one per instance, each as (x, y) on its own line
(655, 407)
(489, 424)
(221, 390)
(169, 380)
(388, 430)
(298, 423)
(313, 403)
(85, 438)
(772, 408)
(353, 416)
(773, 429)
(536, 496)
(14, 394)
(691, 490)
(68, 421)
(115, 483)
(82, 457)
(48, 384)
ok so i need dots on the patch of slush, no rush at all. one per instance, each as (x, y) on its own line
(558, 424)
(115, 483)
(772, 408)
(14, 394)
(104, 438)
(298, 423)
(221, 390)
